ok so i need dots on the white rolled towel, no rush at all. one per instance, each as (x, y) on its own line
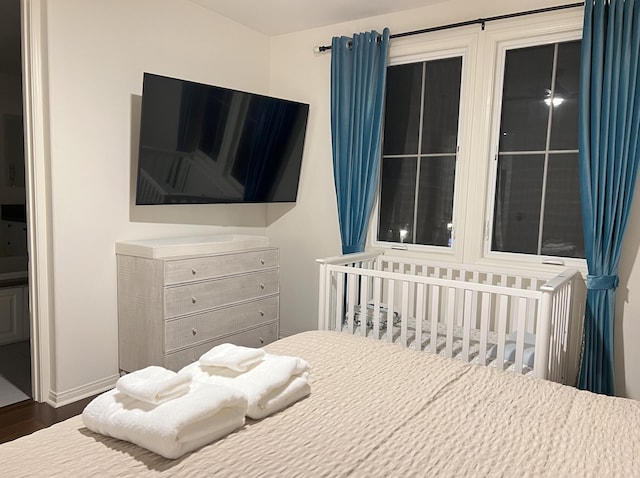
(234, 357)
(171, 429)
(153, 384)
(274, 384)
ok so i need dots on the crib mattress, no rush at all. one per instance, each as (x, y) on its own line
(378, 409)
(395, 336)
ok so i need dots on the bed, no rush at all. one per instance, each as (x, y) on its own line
(378, 409)
(518, 320)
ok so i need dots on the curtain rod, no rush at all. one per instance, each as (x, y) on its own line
(481, 21)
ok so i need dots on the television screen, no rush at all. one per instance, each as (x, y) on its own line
(206, 144)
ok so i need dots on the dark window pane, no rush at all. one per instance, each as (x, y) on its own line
(441, 105)
(516, 214)
(527, 82)
(402, 109)
(562, 230)
(564, 123)
(435, 200)
(434, 88)
(397, 199)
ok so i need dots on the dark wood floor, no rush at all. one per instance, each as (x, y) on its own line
(28, 416)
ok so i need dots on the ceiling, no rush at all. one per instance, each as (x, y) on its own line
(271, 17)
(277, 17)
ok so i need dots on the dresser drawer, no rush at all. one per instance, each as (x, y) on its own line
(200, 296)
(256, 337)
(208, 267)
(195, 329)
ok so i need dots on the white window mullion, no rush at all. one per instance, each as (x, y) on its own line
(548, 146)
(416, 196)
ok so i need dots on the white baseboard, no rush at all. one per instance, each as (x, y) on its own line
(58, 399)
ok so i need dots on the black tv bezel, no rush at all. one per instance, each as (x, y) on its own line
(200, 200)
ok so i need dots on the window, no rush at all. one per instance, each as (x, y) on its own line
(419, 152)
(537, 195)
(480, 148)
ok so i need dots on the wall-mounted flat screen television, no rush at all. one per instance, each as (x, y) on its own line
(203, 144)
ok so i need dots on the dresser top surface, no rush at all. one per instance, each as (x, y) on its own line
(190, 245)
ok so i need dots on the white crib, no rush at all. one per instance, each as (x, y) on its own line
(529, 324)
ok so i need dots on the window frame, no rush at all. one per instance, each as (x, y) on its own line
(506, 41)
(484, 53)
(442, 45)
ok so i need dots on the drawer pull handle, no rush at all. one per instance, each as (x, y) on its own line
(194, 332)
(261, 285)
(261, 340)
(193, 300)
(193, 271)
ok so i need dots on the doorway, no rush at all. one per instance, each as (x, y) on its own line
(15, 347)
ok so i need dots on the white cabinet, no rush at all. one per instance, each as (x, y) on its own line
(13, 235)
(173, 309)
(14, 317)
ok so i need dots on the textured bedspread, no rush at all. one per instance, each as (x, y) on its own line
(377, 409)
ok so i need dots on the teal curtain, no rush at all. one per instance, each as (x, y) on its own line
(609, 122)
(358, 76)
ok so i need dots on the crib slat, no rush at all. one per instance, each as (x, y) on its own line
(502, 326)
(484, 327)
(404, 312)
(364, 305)
(551, 366)
(390, 309)
(564, 333)
(521, 320)
(377, 283)
(412, 291)
(351, 302)
(468, 300)
(451, 300)
(531, 317)
(559, 335)
(340, 295)
(435, 313)
(420, 315)
(514, 305)
(460, 302)
(474, 312)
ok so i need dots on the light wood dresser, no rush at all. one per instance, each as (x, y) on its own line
(179, 297)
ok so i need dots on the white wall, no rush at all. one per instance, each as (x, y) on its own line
(311, 229)
(97, 53)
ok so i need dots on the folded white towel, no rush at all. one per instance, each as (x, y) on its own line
(275, 383)
(171, 429)
(231, 356)
(295, 389)
(153, 384)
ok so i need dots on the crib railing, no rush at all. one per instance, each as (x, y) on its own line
(474, 314)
